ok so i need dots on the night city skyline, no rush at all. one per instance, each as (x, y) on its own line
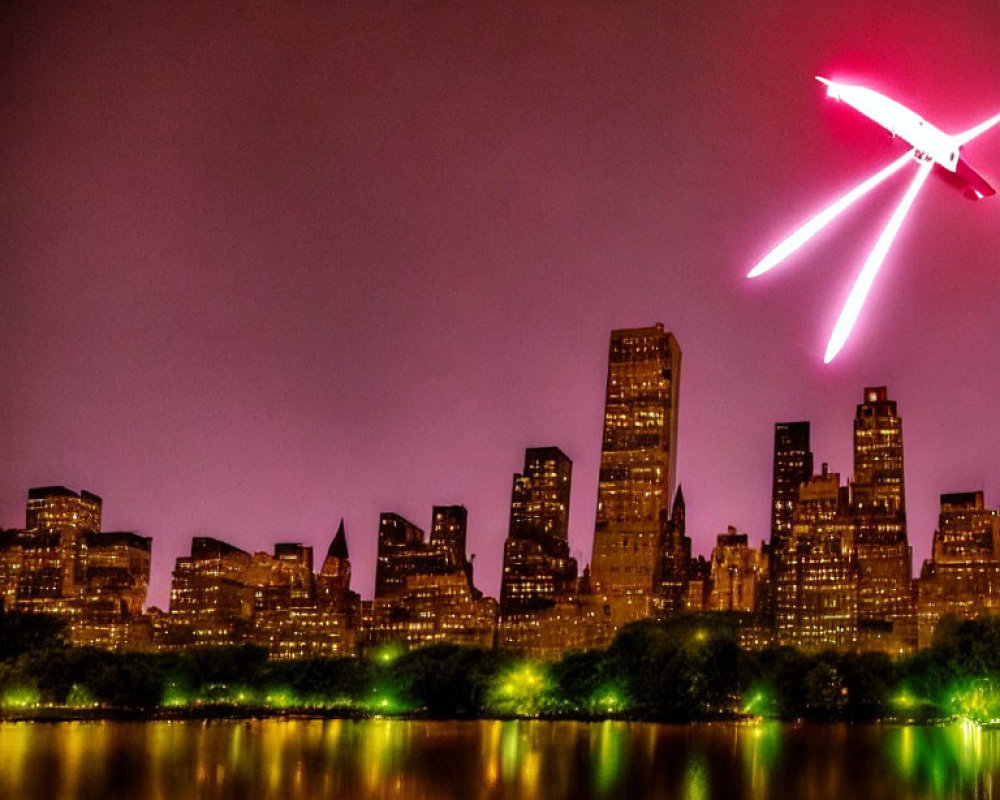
(857, 484)
(264, 270)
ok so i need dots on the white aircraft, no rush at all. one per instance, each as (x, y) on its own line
(930, 146)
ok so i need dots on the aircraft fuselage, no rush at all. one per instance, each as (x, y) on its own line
(929, 142)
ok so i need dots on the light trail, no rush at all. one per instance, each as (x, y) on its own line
(863, 284)
(930, 147)
(825, 217)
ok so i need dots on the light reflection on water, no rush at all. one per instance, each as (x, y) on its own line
(492, 760)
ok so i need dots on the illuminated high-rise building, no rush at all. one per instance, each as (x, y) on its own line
(637, 474)
(283, 580)
(878, 455)
(543, 611)
(57, 521)
(886, 613)
(62, 564)
(962, 576)
(54, 508)
(423, 589)
(816, 581)
(449, 528)
(793, 466)
(116, 568)
(537, 565)
(211, 596)
(298, 614)
(401, 552)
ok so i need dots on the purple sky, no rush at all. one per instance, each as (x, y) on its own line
(265, 268)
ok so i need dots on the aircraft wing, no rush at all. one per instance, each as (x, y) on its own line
(972, 133)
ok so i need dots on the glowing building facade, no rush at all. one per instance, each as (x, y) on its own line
(222, 595)
(736, 573)
(637, 473)
(537, 566)
(544, 608)
(61, 563)
(791, 468)
(211, 597)
(962, 576)
(423, 589)
(886, 612)
(816, 582)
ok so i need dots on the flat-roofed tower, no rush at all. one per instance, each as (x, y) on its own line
(886, 619)
(638, 466)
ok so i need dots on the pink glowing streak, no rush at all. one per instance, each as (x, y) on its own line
(863, 284)
(825, 217)
(930, 146)
(981, 128)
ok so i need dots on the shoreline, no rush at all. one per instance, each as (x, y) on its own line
(226, 712)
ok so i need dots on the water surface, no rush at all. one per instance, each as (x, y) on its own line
(490, 760)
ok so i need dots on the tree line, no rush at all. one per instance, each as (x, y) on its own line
(685, 668)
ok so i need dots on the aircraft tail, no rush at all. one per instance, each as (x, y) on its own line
(976, 185)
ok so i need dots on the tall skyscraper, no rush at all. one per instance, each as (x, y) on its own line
(886, 613)
(878, 455)
(544, 609)
(536, 561)
(793, 466)
(57, 521)
(638, 465)
(401, 552)
(449, 526)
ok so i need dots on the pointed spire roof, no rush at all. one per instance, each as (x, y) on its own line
(338, 547)
(679, 498)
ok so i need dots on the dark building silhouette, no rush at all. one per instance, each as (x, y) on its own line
(637, 474)
(537, 565)
(670, 584)
(334, 580)
(793, 466)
